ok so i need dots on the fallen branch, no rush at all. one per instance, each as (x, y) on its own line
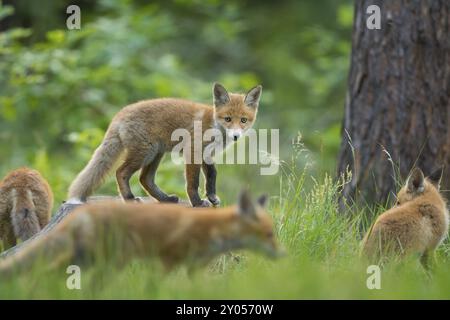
(63, 211)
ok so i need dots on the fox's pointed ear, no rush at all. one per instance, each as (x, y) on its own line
(263, 201)
(253, 96)
(220, 95)
(246, 207)
(436, 176)
(415, 181)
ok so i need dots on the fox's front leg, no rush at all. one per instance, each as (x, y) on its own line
(192, 183)
(428, 260)
(210, 172)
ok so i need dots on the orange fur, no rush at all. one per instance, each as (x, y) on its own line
(170, 232)
(25, 205)
(143, 132)
(417, 224)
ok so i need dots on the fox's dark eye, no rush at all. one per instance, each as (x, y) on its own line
(243, 120)
(228, 119)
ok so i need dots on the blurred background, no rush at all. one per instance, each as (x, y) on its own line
(59, 88)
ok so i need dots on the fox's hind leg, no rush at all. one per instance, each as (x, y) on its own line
(147, 179)
(9, 238)
(124, 173)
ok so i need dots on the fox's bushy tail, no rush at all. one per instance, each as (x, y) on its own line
(98, 167)
(24, 219)
(25, 224)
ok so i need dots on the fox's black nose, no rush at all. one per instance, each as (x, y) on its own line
(235, 138)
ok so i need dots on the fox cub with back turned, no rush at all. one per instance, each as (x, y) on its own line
(25, 203)
(118, 232)
(142, 131)
(417, 224)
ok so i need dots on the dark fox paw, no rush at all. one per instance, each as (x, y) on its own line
(171, 198)
(202, 204)
(214, 199)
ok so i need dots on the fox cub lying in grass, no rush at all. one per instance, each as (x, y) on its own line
(118, 232)
(25, 204)
(417, 224)
(143, 132)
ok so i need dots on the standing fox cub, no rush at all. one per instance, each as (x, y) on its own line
(417, 224)
(170, 232)
(25, 203)
(142, 131)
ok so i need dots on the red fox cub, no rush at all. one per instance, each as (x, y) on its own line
(25, 203)
(118, 232)
(143, 130)
(417, 224)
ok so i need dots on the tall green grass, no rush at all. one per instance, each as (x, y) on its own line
(322, 262)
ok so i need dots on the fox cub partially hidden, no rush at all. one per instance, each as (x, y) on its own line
(417, 224)
(25, 204)
(118, 232)
(142, 131)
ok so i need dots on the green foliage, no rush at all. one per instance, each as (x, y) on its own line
(59, 88)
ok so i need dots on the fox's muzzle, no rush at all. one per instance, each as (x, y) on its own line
(234, 134)
(275, 252)
(279, 253)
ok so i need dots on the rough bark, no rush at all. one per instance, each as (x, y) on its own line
(397, 104)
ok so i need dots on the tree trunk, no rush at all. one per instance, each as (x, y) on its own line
(397, 111)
